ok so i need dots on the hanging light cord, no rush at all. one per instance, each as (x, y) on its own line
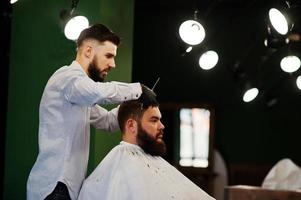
(73, 6)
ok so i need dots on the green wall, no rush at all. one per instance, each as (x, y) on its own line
(38, 48)
(119, 15)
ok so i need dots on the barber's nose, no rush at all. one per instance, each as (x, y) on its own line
(112, 64)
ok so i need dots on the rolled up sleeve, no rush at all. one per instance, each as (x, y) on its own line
(101, 118)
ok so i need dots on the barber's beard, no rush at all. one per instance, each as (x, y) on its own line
(150, 144)
(93, 72)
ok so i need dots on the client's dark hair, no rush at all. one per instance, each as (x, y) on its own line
(133, 109)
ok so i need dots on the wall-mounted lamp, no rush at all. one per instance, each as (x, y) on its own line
(280, 24)
(191, 31)
(250, 94)
(278, 17)
(290, 63)
(74, 27)
(278, 21)
(13, 1)
(74, 24)
(298, 82)
(208, 60)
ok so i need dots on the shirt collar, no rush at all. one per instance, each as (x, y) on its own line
(77, 65)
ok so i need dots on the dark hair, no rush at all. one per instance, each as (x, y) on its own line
(98, 32)
(133, 109)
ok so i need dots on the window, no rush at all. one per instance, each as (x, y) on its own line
(194, 137)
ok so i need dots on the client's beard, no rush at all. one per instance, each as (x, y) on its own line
(94, 72)
(149, 144)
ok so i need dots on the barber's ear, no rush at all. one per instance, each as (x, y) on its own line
(132, 126)
(88, 51)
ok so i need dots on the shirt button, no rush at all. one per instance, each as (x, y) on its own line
(137, 95)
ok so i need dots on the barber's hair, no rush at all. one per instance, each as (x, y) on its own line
(98, 32)
(133, 109)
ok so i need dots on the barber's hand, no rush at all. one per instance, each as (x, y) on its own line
(147, 97)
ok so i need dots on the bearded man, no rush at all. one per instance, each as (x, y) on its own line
(70, 103)
(134, 169)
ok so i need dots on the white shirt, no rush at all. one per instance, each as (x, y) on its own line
(128, 173)
(67, 108)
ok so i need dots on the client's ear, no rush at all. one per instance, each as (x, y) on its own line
(131, 126)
